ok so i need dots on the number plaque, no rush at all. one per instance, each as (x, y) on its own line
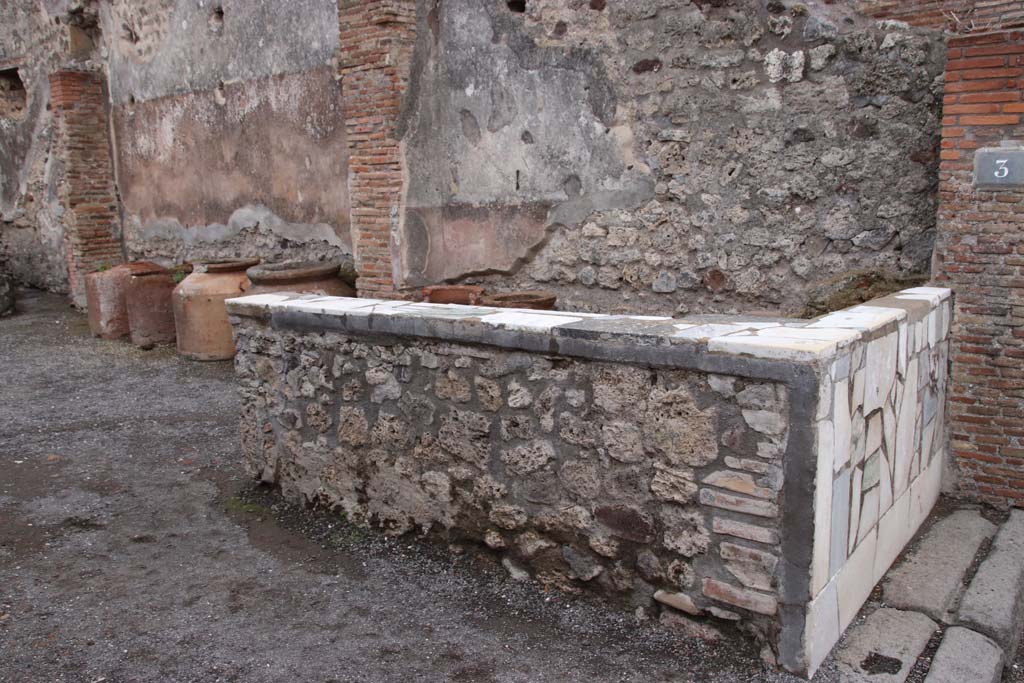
(999, 168)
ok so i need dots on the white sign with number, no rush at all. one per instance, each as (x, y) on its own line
(999, 168)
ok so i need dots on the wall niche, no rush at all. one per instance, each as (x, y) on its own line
(13, 98)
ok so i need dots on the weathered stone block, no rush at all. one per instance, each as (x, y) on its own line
(674, 485)
(528, 458)
(750, 532)
(739, 597)
(750, 506)
(680, 601)
(740, 482)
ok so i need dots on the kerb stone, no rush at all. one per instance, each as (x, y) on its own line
(931, 579)
(992, 604)
(888, 639)
(966, 656)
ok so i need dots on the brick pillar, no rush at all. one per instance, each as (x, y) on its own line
(978, 15)
(82, 143)
(377, 39)
(980, 254)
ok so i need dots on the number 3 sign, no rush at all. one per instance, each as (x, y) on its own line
(999, 168)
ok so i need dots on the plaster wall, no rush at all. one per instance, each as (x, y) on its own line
(158, 48)
(229, 128)
(31, 231)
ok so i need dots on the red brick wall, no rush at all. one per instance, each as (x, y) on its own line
(981, 14)
(377, 38)
(980, 254)
(91, 219)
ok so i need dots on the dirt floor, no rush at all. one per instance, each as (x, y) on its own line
(132, 548)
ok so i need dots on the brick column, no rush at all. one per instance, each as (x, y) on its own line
(88, 194)
(980, 254)
(978, 15)
(377, 39)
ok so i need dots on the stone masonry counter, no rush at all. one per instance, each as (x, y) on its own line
(764, 471)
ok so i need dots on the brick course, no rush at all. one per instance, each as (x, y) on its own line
(983, 15)
(88, 194)
(377, 39)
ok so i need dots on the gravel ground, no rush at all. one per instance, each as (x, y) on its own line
(133, 549)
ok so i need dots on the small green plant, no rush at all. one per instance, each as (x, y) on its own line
(178, 276)
(349, 535)
(236, 504)
(103, 267)
(351, 532)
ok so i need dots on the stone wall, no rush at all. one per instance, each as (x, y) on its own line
(666, 157)
(32, 45)
(670, 465)
(229, 128)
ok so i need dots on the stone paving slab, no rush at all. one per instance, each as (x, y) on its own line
(885, 647)
(931, 579)
(992, 604)
(966, 657)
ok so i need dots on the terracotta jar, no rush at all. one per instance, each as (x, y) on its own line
(204, 332)
(148, 300)
(314, 277)
(453, 294)
(537, 300)
(105, 295)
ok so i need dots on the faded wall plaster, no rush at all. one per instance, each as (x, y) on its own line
(164, 47)
(500, 132)
(713, 158)
(229, 128)
(252, 230)
(194, 160)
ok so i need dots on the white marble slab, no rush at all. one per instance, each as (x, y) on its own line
(930, 298)
(708, 330)
(892, 536)
(810, 333)
(864, 318)
(259, 299)
(822, 626)
(843, 427)
(781, 348)
(880, 370)
(515, 319)
(822, 508)
(856, 579)
(941, 292)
